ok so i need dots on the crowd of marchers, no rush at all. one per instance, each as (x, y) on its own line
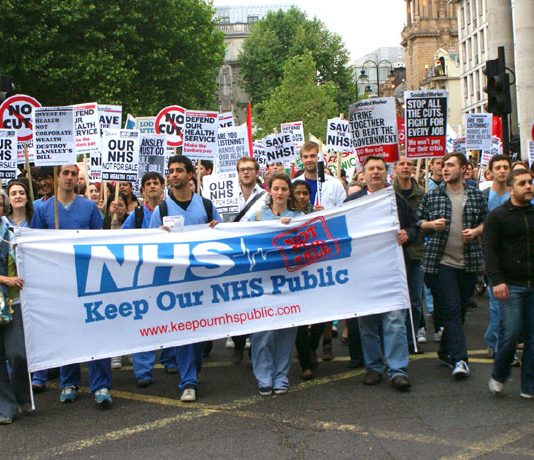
(457, 234)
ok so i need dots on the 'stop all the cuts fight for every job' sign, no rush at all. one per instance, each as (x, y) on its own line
(425, 114)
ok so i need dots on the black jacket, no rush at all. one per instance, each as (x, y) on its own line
(407, 219)
(508, 243)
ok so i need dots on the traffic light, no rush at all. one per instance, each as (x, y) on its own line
(497, 87)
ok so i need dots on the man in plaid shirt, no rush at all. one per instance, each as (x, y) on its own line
(452, 216)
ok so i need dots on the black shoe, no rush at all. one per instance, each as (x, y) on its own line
(445, 359)
(39, 387)
(401, 383)
(143, 383)
(372, 378)
(355, 363)
(237, 358)
(266, 391)
(418, 352)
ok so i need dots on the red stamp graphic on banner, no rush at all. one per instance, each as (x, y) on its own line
(309, 243)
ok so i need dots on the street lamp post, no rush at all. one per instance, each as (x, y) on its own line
(377, 65)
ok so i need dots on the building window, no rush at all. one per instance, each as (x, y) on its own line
(252, 19)
(476, 51)
(224, 20)
(469, 15)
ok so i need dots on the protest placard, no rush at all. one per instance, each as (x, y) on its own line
(120, 154)
(130, 122)
(16, 112)
(478, 128)
(338, 135)
(530, 145)
(496, 149)
(117, 292)
(296, 129)
(8, 154)
(232, 144)
(223, 191)
(200, 135)
(146, 125)
(401, 132)
(226, 120)
(259, 153)
(348, 162)
(373, 125)
(152, 155)
(54, 136)
(279, 148)
(110, 117)
(86, 129)
(425, 114)
(458, 145)
(170, 121)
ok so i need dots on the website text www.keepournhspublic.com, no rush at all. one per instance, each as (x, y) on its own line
(229, 318)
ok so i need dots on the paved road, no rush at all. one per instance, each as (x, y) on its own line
(332, 417)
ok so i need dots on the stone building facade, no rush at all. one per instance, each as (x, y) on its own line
(430, 25)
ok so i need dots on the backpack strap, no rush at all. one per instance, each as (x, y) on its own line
(163, 210)
(486, 194)
(208, 206)
(139, 215)
(249, 205)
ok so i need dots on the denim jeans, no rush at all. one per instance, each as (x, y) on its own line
(14, 388)
(452, 288)
(517, 318)
(388, 329)
(271, 353)
(491, 335)
(416, 283)
(143, 364)
(99, 375)
(186, 363)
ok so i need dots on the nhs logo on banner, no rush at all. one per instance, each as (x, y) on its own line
(122, 267)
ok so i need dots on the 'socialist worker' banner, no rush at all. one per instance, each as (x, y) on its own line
(119, 292)
(373, 124)
(425, 114)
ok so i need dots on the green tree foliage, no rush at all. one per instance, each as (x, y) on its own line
(144, 54)
(283, 35)
(299, 97)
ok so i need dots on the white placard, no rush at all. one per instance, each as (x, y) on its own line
(120, 154)
(232, 144)
(8, 154)
(54, 136)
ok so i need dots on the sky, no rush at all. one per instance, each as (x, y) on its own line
(364, 25)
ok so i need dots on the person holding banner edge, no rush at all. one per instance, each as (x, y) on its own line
(76, 213)
(383, 335)
(15, 395)
(331, 194)
(181, 201)
(251, 198)
(271, 350)
(152, 185)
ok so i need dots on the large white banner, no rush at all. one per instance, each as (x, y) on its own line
(118, 292)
